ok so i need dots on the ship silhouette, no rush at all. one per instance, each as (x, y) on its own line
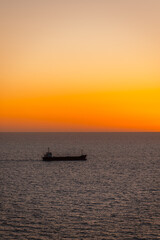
(49, 157)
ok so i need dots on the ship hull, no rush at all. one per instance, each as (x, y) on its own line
(65, 158)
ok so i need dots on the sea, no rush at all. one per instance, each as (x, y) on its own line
(114, 195)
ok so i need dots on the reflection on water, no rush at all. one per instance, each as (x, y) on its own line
(113, 195)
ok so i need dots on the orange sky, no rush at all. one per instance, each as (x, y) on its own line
(71, 65)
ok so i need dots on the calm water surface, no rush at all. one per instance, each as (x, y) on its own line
(113, 195)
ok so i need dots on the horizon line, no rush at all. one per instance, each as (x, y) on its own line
(79, 131)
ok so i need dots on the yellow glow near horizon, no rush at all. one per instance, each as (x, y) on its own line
(80, 65)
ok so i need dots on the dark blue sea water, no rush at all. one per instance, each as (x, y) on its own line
(115, 194)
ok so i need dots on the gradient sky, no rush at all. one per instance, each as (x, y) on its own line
(80, 65)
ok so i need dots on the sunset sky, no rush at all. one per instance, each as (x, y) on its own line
(79, 65)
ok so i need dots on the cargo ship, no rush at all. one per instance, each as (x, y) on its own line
(49, 157)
